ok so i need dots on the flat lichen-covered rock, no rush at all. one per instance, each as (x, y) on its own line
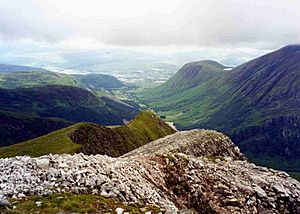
(198, 171)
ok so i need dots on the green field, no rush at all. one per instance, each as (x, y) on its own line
(72, 203)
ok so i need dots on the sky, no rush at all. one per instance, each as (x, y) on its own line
(248, 26)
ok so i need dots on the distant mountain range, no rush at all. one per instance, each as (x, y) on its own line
(256, 103)
(14, 76)
(13, 68)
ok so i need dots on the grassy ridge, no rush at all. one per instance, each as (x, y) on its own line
(118, 140)
(57, 142)
(91, 138)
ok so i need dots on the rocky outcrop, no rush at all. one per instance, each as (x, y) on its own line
(195, 143)
(197, 170)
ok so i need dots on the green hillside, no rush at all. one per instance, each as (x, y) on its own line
(188, 77)
(16, 127)
(92, 138)
(256, 103)
(67, 102)
(27, 79)
(177, 99)
(99, 81)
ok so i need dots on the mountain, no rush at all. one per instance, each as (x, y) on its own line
(31, 78)
(99, 81)
(15, 68)
(16, 127)
(92, 138)
(256, 104)
(27, 79)
(190, 102)
(67, 102)
(198, 171)
(189, 76)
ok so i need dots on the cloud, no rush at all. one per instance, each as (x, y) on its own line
(24, 20)
(258, 24)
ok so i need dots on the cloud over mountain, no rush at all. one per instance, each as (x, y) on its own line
(228, 23)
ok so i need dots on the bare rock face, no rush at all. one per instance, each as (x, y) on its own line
(195, 143)
(199, 170)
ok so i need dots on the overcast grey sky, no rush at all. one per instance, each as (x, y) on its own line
(177, 24)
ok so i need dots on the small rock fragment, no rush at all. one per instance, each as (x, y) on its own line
(39, 203)
(119, 210)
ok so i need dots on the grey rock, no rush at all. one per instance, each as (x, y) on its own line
(119, 210)
(261, 193)
(42, 163)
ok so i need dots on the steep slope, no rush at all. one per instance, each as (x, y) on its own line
(261, 89)
(197, 171)
(16, 127)
(256, 103)
(91, 138)
(67, 102)
(189, 76)
(195, 98)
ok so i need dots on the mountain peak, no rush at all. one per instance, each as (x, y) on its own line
(291, 47)
(288, 51)
(193, 73)
(205, 63)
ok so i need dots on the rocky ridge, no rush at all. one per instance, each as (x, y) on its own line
(198, 170)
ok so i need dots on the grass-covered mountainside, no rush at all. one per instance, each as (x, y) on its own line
(30, 78)
(99, 81)
(92, 138)
(16, 127)
(256, 103)
(67, 102)
(178, 98)
(189, 76)
(27, 79)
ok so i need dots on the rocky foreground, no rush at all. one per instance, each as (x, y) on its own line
(197, 170)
